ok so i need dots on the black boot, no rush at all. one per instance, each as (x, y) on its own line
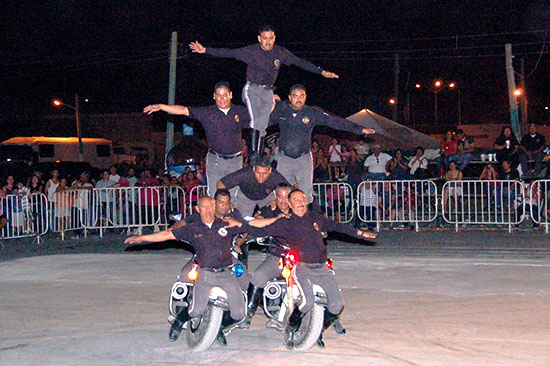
(227, 321)
(253, 149)
(177, 325)
(328, 320)
(255, 294)
(295, 320)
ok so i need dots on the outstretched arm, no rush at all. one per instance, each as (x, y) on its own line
(152, 238)
(196, 47)
(329, 75)
(172, 109)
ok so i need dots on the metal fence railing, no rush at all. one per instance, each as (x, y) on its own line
(461, 203)
(483, 202)
(397, 201)
(24, 216)
(539, 203)
(336, 200)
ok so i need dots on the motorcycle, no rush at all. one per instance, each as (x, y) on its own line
(282, 295)
(202, 331)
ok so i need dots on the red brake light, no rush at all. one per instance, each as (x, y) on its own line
(292, 258)
(329, 263)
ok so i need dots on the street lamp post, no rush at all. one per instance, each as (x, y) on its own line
(59, 103)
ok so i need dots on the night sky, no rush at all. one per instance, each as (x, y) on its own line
(116, 54)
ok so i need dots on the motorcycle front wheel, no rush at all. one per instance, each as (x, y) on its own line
(202, 331)
(309, 331)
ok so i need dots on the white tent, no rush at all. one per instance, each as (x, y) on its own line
(391, 135)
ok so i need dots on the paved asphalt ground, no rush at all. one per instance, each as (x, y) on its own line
(427, 298)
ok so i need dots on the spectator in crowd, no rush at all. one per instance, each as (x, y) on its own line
(190, 182)
(63, 204)
(113, 175)
(35, 184)
(335, 160)
(506, 191)
(531, 148)
(398, 167)
(448, 149)
(51, 185)
(490, 174)
(368, 205)
(362, 149)
(354, 170)
(377, 164)
(344, 156)
(465, 150)
(455, 188)
(9, 186)
(83, 202)
(131, 178)
(320, 166)
(508, 173)
(419, 164)
(529, 203)
(201, 172)
(507, 146)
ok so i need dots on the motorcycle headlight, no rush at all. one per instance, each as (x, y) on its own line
(179, 290)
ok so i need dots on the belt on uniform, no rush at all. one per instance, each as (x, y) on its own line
(226, 157)
(264, 86)
(292, 157)
(216, 270)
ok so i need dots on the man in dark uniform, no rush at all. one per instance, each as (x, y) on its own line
(223, 209)
(255, 185)
(212, 243)
(269, 268)
(223, 124)
(263, 62)
(303, 230)
(296, 121)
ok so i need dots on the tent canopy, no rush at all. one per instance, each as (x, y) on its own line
(391, 135)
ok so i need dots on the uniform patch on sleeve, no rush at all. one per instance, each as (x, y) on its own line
(277, 63)
(237, 118)
(222, 232)
(316, 226)
(305, 120)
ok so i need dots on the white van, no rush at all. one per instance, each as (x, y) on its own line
(97, 151)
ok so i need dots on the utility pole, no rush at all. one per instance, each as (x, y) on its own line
(171, 95)
(514, 120)
(523, 103)
(78, 132)
(395, 85)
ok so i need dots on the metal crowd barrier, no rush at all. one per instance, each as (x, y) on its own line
(397, 201)
(539, 203)
(25, 216)
(483, 202)
(134, 207)
(336, 200)
(65, 210)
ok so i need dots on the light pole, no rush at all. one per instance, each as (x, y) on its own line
(59, 103)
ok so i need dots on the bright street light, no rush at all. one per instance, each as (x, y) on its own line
(518, 92)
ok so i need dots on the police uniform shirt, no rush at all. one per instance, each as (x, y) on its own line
(296, 127)
(304, 234)
(263, 66)
(246, 181)
(212, 244)
(223, 131)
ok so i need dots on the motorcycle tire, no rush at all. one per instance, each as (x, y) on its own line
(309, 331)
(202, 331)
